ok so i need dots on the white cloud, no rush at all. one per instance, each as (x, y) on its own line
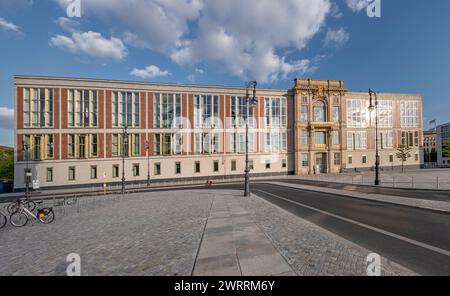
(91, 43)
(67, 24)
(198, 72)
(151, 71)
(6, 118)
(356, 5)
(336, 38)
(244, 38)
(8, 26)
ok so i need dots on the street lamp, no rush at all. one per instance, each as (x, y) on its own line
(147, 147)
(250, 102)
(125, 143)
(372, 107)
(25, 148)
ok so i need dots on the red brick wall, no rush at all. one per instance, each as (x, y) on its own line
(151, 139)
(143, 150)
(101, 141)
(108, 103)
(108, 145)
(56, 145)
(190, 105)
(20, 108)
(227, 122)
(143, 108)
(150, 110)
(101, 108)
(20, 156)
(64, 111)
(56, 101)
(64, 147)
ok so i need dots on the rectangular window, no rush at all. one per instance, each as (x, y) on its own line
(82, 146)
(385, 110)
(36, 147)
(115, 145)
(350, 159)
(386, 140)
(321, 139)
(93, 172)
(336, 138)
(251, 165)
(391, 158)
(177, 168)
(136, 170)
(284, 163)
(410, 139)
(416, 157)
(197, 167)
(136, 145)
(275, 112)
(125, 109)
(49, 175)
(94, 145)
(305, 160)
(336, 114)
(216, 166)
(337, 159)
(233, 165)
(275, 142)
(304, 114)
(71, 146)
(409, 113)
(239, 113)
(237, 142)
(267, 164)
(26, 108)
(38, 107)
(34, 107)
(157, 169)
(206, 111)
(167, 111)
(115, 172)
(71, 173)
(356, 140)
(305, 137)
(157, 144)
(357, 113)
(167, 144)
(364, 159)
(50, 146)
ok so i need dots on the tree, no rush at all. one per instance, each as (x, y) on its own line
(446, 149)
(6, 163)
(403, 153)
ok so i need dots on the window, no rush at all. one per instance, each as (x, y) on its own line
(336, 138)
(239, 112)
(94, 146)
(350, 159)
(384, 114)
(115, 145)
(416, 157)
(364, 159)
(207, 143)
(337, 159)
(267, 164)
(275, 142)
(206, 111)
(251, 165)
(304, 100)
(167, 111)
(168, 144)
(125, 109)
(157, 169)
(233, 165)
(410, 139)
(304, 114)
(136, 144)
(284, 163)
(275, 112)
(37, 107)
(71, 146)
(356, 140)
(177, 168)
(305, 137)
(49, 174)
(237, 142)
(197, 167)
(391, 157)
(82, 108)
(321, 139)
(305, 160)
(115, 172)
(93, 172)
(386, 140)
(50, 144)
(82, 146)
(136, 170)
(36, 147)
(336, 116)
(71, 173)
(409, 114)
(216, 166)
(357, 113)
(320, 113)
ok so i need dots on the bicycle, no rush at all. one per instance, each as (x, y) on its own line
(21, 216)
(3, 220)
(14, 206)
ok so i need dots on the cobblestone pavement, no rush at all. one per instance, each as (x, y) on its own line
(155, 234)
(161, 233)
(309, 249)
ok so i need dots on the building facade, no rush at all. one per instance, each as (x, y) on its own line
(70, 132)
(442, 137)
(429, 148)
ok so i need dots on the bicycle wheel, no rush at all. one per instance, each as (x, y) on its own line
(12, 207)
(31, 205)
(46, 215)
(2, 220)
(18, 219)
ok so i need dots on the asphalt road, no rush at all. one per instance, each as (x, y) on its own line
(415, 238)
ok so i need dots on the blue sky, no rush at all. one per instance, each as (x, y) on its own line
(228, 42)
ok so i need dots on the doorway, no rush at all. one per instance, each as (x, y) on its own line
(321, 163)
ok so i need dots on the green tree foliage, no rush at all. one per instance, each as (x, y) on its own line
(6, 163)
(403, 153)
(446, 149)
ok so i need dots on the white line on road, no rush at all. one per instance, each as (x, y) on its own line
(405, 239)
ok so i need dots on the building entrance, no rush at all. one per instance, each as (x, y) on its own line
(321, 163)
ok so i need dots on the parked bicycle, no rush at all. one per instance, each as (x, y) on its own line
(23, 214)
(14, 206)
(2, 220)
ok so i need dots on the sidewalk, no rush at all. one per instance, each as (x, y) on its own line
(411, 202)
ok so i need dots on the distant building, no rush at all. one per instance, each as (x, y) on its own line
(429, 147)
(442, 136)
(73, 129)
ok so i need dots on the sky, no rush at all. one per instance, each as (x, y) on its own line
(229, 42)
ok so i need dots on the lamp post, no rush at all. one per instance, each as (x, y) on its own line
(25, 149)
(147, 147)
(250, 102)
(372, 107)
(125, 143)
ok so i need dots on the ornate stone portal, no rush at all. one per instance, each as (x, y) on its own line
(319, 113)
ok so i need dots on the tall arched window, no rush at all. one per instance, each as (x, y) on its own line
(320, 113)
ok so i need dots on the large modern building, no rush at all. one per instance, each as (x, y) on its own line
(70, 131)
(442, 136)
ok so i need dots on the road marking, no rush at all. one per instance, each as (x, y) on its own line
(408, 240)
